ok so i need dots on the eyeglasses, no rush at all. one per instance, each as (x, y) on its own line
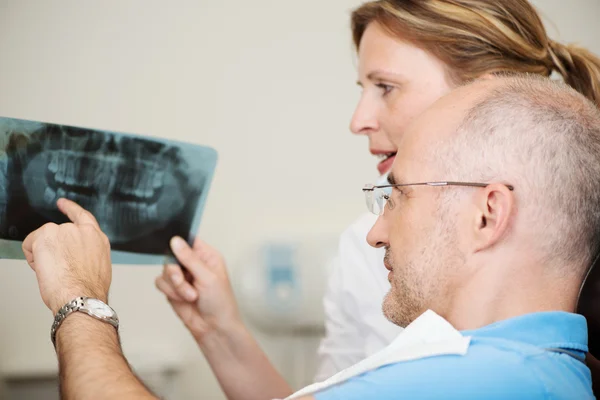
(377, 196)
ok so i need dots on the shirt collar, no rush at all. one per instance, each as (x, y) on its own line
(548, 329)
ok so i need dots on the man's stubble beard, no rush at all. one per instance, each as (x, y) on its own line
(405, 300)
(418, 283)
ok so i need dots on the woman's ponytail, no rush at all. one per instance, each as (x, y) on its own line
(579, 68)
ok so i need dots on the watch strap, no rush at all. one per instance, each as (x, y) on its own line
(60, 316)
(79, 304)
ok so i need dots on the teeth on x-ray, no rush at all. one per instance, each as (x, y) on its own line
(139, 190)
(152, 211)
(139, 184)
(137, 178)
(49, 195)
(70, 178)
(53, 166)
(158, 179)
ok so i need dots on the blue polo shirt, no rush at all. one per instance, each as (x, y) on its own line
(505, 360)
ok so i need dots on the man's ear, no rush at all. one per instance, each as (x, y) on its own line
(494, 206)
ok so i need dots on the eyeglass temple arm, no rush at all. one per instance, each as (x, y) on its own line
(444, 183)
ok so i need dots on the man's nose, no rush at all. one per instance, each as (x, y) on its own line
(378, 235)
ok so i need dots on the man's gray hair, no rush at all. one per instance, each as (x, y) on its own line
(543, 137)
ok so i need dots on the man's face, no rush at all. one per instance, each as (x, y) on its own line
(420, 225)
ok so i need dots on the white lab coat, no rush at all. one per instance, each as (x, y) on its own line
(354, 322)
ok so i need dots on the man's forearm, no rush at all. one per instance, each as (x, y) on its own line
(92, 364)
(242, 368)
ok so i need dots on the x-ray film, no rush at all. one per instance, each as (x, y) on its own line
(142, 190)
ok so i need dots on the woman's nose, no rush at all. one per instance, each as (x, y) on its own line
(364, 120)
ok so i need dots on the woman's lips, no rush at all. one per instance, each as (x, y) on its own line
(385, 165)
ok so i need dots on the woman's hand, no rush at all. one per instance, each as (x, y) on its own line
(200, 294)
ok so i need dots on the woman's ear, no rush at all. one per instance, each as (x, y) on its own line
(488, 76)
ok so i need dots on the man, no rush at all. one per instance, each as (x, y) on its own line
(491, 222)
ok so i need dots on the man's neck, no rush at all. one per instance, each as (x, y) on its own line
(496, 293)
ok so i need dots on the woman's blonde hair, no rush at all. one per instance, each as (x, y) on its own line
(475, 37)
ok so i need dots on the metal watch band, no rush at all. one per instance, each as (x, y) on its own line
(60, 316)
(77, 304)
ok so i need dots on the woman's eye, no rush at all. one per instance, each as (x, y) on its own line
(386, 88)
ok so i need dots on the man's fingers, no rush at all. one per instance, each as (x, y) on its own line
(174, 277)
(189, 259)
(27, 246)
(77, 214)
(31, 240)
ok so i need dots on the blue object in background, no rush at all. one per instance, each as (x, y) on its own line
(281, 270)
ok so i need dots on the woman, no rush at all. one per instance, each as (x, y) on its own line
(457, 41)
(410, 53)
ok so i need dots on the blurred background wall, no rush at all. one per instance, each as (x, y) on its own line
(269, 84)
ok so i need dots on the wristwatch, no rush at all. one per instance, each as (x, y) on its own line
(92, 307)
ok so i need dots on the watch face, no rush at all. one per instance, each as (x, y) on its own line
(99, 308)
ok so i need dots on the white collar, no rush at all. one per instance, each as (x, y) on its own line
(429, 335)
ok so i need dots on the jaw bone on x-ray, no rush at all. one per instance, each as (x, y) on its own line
(142, 191)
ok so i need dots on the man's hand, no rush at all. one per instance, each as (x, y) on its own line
(202, 296)
(71, 259)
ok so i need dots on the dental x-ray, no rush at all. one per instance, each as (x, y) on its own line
(142, 190)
